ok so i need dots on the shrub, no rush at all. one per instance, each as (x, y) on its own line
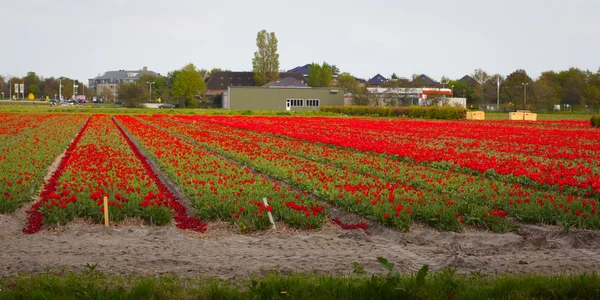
(431, 112)
(595, 121)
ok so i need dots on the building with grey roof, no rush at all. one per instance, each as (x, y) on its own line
(112, 79)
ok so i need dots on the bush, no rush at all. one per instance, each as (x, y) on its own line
(595, 121)
(431, 112)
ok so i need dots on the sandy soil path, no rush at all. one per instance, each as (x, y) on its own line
(223, 253)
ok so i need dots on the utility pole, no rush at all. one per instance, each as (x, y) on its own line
(150, 83)
(9, 89)
(498, 93)
(525, 94)
(59, 90)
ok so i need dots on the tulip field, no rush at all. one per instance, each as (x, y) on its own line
(445, 174)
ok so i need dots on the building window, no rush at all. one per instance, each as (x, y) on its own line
(295, 102)
(313, 102)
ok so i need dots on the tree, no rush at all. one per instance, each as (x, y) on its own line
(32, 83)
(133, 94)
(320, 75)
(315, 75)
(3, 86)
(265, 63)
(394, 76)
(187, 84)
(591, 93)
(572, 83)
(547, 90)
(335, 70)
(51, 87)
(349, 83)
(515, 86)
(461, 89)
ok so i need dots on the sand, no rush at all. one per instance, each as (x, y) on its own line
(223, 253)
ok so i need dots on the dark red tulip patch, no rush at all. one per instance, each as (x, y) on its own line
(102, 162)
(220, 189)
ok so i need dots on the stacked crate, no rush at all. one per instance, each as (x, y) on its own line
(476, 115)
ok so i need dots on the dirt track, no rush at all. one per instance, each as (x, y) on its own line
(225, 254)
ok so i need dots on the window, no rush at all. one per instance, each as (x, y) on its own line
(295, 102)
(313, 102)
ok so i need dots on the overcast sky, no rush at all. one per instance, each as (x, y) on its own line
(81, 38)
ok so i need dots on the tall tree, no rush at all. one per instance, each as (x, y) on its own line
(188, 83)
(547, 90)
(265, 63)
(32, 83)
(572, 83)
(320, 75)
(519, 89)
(3, 86)
(591, 93)
(315, 75)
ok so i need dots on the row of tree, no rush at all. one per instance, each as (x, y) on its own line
(573, 87)
(184, 86)
(41, 87)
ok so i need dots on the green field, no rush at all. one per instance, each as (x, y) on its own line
(33, 107)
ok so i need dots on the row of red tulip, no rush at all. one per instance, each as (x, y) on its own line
(221, 190)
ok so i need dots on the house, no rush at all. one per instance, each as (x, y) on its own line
(469, 81)
(377, 81)
(219, 82)
(425, 81)
(112, 79)
(301, 70)
(287, 82)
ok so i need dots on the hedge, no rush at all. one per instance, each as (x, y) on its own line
(429, 112)
(595, 121)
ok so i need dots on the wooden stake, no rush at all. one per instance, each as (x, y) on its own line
(269, 213)
(105, 211)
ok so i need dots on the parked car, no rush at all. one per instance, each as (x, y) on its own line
(54, 101)
(119, 102)
(98, 100)
(72, 101)
(167, 105)
(81, 101)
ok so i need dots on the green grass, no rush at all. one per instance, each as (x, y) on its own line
(28, 107)
(445, 284)
(543, 117)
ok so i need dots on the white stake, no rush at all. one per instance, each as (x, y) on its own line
(269, 213)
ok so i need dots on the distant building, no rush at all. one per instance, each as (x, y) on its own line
(469, 81)
(300, 70)
(219, 82)
(112, 79)
(281, 98)
(377, 81)
(425, 81)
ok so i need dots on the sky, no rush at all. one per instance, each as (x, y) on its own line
(82, 38)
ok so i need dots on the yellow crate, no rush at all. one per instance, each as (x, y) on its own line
(530, 117)
(516, 116)
(476, 115)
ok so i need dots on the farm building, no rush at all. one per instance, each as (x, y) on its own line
(290, 98)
